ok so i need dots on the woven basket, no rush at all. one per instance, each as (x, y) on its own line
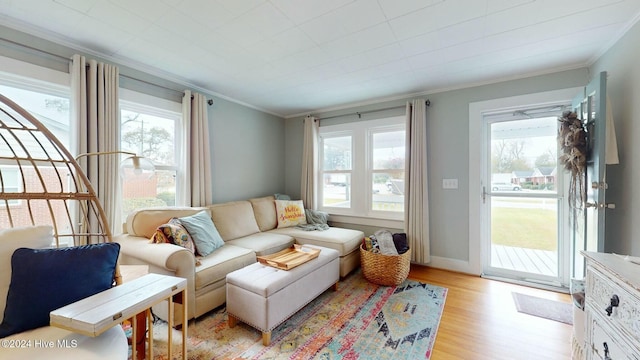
(387, 270)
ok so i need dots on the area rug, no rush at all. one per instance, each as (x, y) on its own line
(544, 308)
(359, 321)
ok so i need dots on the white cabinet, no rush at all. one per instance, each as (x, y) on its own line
(612, 307)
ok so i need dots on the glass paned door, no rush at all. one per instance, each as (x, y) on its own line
(523, 200)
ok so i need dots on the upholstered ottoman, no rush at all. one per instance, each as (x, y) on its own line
(264, 297)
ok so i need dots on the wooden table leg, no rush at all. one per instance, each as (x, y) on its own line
(170, 314)
(266, 338)
(185, 324)
(139, 338)
(232, 321)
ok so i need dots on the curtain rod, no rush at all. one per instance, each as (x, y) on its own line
(66, 59)
(209, 101)
(360, 113)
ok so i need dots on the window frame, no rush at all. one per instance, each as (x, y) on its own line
(361, 201)
(47, 81)
(398, 125)
(349, 173)
(142, 103)
(18, 185)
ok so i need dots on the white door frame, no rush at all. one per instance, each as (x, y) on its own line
(477, 251)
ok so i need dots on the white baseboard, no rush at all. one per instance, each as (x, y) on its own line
(452, 265)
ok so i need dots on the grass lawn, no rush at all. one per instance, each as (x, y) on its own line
(526, 228)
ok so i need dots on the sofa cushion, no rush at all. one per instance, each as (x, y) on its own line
(218, 264)
(144, 222)
(203, 232)
(234, 219)
(264, 243)
(43, 280)
(10, 240)
(343, 240)
(264, 210)
(290, 213)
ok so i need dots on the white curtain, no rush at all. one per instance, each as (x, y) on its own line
(611, 149)
(95, 109)
(309, 153)
(416, 204)
(197, 158)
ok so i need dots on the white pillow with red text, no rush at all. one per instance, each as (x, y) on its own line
(290, 213)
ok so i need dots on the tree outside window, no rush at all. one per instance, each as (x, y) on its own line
(153, 137)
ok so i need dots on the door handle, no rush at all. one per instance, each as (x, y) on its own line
(599, 205)
(599, 185)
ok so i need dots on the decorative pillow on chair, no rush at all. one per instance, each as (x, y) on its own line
(10, 239)
(174, 233)
(203, 232)
(43, 280)
(290, 213)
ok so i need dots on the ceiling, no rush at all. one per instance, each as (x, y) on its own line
(290, 57)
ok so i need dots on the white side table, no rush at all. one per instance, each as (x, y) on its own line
(94, 315)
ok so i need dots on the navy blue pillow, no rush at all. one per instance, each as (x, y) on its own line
(43, 280)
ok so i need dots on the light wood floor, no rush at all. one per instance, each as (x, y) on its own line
(480, 320)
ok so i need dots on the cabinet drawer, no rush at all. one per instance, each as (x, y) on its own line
(625, 317)
(616, 348)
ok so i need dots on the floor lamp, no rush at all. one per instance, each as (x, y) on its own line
(132, 164)
(138, 164)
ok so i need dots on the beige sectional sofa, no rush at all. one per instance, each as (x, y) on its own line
(248, 228)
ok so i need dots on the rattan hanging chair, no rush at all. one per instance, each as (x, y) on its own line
(52, 188)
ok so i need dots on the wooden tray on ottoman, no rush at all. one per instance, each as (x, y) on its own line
(289, 258)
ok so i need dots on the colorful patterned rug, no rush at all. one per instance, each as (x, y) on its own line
(359, 321)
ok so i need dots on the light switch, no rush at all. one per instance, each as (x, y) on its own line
(449, 183)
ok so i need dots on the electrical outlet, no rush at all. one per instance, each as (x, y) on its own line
(449, 183)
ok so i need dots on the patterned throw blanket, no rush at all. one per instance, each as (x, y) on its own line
(316, 220)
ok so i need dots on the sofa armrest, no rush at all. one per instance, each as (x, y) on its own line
(169, 257)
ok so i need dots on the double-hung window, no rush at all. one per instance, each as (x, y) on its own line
(151, 127)
(45, 94)
(361, 168)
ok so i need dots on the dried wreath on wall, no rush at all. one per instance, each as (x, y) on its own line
(572, 137)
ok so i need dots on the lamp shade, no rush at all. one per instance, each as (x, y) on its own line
(137, 166)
